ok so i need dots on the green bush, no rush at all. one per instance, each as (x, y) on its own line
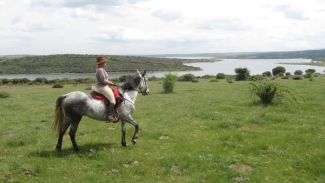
(5, 81)
(214, 80)
(15, 81)
(298, 72)
(186, 77)
(169, 82)
(57, 85)
(125, 77)
(278, 70)
(242, 74)
(267, 91)
(4, 94)
(297, 77)
(267, 73)
(195, 81)
(221, 76)
(285, 77)
(256, 77)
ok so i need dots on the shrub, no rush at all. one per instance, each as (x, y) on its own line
(256, 77)
(288, 73)
(220, 76)
(267, 91)
(153, 78)
(267, 73)
(195, 81)
(4, 94)
(278, 70)
(24, 80)
(285, 77)
(186, 77)
(312, 71)
(5, 81)
(298, 72)
(214, 80)
(15, 81)
(207, 76)
(229, 79)
(57, 85)
(242, 74)
(40, 80)
(125, 77)
(169, 82)
(297, 78)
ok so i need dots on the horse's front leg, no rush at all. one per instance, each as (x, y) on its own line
(123, 127)
(136, 129)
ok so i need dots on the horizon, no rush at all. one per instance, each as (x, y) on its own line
(161, 54)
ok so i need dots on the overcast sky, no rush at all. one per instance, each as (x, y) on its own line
(159, 26)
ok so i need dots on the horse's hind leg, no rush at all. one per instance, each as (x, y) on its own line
(73, 130)
(64, 128)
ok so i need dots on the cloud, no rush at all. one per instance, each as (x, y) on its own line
(230, 24)
(37, 27)
(167, 15)
(290, 12)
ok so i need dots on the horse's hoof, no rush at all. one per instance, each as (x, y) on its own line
(125, 145)
(134, 142)
(58, 149)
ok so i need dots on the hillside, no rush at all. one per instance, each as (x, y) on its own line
(77, 63)
(73, 63)
(316, 55)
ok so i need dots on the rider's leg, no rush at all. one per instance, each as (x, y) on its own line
(108, 93)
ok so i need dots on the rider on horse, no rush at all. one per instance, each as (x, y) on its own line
(102, 84)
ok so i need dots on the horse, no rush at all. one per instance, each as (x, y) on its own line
(72, 106)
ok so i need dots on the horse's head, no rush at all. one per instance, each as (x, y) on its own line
(143, 87)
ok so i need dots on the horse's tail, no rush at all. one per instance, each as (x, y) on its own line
(59, 116)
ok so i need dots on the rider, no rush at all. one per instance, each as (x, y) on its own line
(102, 83)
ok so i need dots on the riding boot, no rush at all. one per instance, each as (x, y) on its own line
(111, 113)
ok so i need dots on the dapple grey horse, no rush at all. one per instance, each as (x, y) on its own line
(72, 106)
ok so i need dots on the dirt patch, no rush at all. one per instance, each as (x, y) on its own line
(241, 168)
(163, 137)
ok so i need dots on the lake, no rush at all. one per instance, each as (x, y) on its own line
(226, 66)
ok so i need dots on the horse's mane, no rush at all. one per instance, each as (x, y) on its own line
(132, 83)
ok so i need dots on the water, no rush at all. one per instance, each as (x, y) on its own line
(227, 66)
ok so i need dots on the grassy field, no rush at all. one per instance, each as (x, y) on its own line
(203, 132)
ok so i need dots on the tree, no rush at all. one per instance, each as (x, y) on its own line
(220, 76)
(311, 71)
(298, 72)
(242, 74)
(267, 73)
(278, 70)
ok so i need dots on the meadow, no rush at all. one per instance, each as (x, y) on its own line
(202, 132)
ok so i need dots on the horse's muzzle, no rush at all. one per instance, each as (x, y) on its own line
(145, 93)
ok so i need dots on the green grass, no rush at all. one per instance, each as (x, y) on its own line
(202, 132)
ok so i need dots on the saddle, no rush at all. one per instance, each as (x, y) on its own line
(118, 98)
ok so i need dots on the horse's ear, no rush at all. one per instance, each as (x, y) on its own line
(144, 72)
(138, 71)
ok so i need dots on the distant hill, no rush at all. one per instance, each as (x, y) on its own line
(316, 55)
(76, 63)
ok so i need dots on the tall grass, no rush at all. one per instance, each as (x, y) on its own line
(202, 132)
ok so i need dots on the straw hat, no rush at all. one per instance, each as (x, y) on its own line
(100, 60)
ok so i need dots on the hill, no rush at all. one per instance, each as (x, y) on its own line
(73, 63)
(316, 55)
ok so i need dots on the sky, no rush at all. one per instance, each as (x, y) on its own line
(146, 27)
